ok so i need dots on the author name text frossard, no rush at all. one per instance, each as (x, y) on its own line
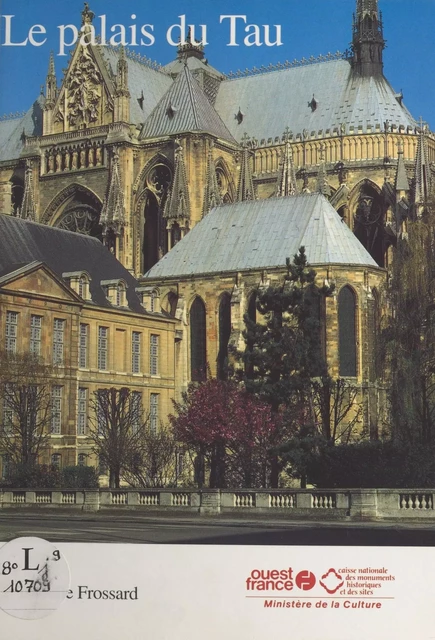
(83, 592)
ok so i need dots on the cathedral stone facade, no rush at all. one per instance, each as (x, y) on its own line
(137, 155)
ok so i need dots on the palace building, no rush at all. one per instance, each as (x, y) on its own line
(187, 189)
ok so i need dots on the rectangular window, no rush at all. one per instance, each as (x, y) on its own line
(6, 465)
(58, 341)
(103, 333)
(56, 460)
(136, 340)
(100, 403)
(154, 412)
(82, 411)
(11, 331)
(83, 346)
(8, 414)
(136, 410)
(154, 355)
(35, 335)
(82, 459)
(56, 410)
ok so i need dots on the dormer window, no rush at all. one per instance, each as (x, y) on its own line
(79, 282)
(141, 99)
(313, 103)
(239, 116)
(171, 110)
(150, 298)
(115, 292)
(82, 286)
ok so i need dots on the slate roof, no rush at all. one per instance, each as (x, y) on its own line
(273, 100)
(269, 102)
(185, 107)
(11, 131)
(261, 234)
(194, 64)
(142, 79)
(23, 242)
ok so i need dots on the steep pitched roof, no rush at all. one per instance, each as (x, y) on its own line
(267, 100)
(194, 64)
(261, 234)
(23, 242)
(185, 108)
(11, 131)
(147, 84)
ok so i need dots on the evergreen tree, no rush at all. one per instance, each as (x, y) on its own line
(283, 351)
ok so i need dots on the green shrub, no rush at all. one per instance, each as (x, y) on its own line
(79, 477)
(42, 476)
(371, 465)
(33, 477)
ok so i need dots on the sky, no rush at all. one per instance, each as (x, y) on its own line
(308, 28)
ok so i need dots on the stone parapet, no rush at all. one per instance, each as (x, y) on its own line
(286, 504)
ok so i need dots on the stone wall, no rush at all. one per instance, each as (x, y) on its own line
(287, 504)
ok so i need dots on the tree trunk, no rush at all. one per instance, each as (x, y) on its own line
(198, 465)
(114, 479)
(274, 472)
(217, 467)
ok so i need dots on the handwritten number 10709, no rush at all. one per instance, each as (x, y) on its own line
(17, 586)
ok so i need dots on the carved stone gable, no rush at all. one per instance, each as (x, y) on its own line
(84, 92)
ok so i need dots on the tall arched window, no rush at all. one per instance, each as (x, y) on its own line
(154, 238)
(347, 332)
(316, 312)
(252, 307)
(252, 315)
(224, 336)
(368, 222)
(151, 233)
(198, 352)
(374, 322)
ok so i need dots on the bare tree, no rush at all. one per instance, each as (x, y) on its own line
(335, 408)
(26, 407)
(154, 464)
(117, 430)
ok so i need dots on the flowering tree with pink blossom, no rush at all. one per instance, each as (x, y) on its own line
(228, 432)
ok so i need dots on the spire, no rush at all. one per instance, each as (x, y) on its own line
(51, 82)
(422, 170)
(245, 190)
(122, 74)
(212, 196)
(322, 177)
(190, 48)
(368, 39)
(286, 184)
(401, 182)
(177, 206)
(122, 93)
(51, 69)
(113, 212)
(28, 205)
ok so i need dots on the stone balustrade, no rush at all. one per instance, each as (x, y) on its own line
(316, 504)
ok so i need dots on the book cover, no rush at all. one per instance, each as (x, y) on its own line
(160, 169)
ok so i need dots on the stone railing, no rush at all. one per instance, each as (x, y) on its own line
(353, 504)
